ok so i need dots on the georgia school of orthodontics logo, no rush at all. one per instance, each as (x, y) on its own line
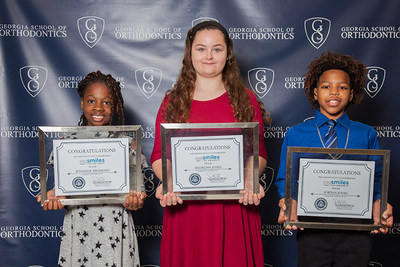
(148, 80)
(317, 30)
(31, 179)
(375, 264)
(91, 29)
(376, 77)
(150, 181)
(261, 80)
(267, 178)
(33, 79)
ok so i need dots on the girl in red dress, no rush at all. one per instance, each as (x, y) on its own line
(210, 89)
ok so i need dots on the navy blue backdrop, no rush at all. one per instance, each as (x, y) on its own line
(47, 46)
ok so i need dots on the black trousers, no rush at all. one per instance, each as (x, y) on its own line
(330, 248)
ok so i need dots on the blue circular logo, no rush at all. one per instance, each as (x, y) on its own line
(320, 203)
(195, 179)
(78, 182)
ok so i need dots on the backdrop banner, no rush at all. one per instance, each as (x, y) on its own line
(48, 46)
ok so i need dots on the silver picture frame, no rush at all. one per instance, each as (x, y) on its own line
(198, 133)
(329, 220)
(49, 133)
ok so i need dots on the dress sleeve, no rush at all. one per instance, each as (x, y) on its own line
(156, 154)
(258, 118)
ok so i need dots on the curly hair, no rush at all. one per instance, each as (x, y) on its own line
(181, 95)
(117, 105)
(334, 60)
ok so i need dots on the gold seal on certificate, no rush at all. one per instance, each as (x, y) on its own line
(209, 160)
(90, 165)
(335, 188)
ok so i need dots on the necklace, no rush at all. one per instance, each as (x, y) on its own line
(333, 156)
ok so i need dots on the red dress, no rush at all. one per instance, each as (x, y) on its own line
(211, 233)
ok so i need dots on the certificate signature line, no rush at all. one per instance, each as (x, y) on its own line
(94, 173)
(316, 194)
(206, 170)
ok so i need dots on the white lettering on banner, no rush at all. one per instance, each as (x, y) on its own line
(148, 133)
(277, 132)
(262, 33)
(294, 82)
(71, 82)
(25, 132)
(33, 31)
(148, 230)
(26, 231)
(275, 230)
(375, 32)
(388, 131)
(147, 33)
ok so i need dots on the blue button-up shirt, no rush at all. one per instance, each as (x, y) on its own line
(355, 134)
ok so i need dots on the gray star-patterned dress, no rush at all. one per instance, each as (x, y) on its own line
(99, 235)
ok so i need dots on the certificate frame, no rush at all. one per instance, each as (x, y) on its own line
(48, 133)
(170, 130)
(331, 222)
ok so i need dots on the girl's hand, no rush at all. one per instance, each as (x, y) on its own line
(52, 202)
(134, 200)
(251, 198)
(169, 199)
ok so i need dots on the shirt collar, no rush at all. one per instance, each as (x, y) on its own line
(321, 119)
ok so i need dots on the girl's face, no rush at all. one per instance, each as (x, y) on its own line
(209, 53)
(96, 104)
(333, 93)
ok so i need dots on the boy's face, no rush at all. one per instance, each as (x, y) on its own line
(96, 104)
(333, 93)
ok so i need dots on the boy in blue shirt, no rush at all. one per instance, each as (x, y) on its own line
(333, 83)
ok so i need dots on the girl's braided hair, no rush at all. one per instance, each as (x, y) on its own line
(117, 105)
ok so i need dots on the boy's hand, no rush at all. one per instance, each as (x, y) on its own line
(169, 199)
(134, 200)
(387, 216)
(52, 202)
(293, 214)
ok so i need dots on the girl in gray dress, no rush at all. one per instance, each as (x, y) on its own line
(99, 235)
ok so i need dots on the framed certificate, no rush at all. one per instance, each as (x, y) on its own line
(210, 160)
(335, 188)
(90, 165)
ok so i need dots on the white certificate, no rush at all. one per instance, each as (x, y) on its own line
(335, 188)
(207, 163)
(91, 166)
